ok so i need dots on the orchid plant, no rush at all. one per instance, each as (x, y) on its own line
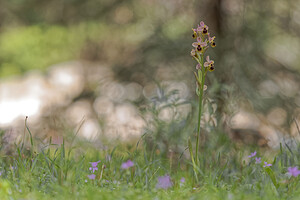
(203, 41)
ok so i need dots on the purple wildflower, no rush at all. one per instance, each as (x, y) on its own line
(267, 165)
(94, 166)
(258, 160)
(164, 182)
(252, 154)
(182, 180)
(293, 171)
(92, 176)
(127, 164)
(198, 66)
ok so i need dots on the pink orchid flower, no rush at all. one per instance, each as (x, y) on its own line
(194, 33)
(193, 53)
(199, 45)
(202, 28)
(209, 63)
(212, 40)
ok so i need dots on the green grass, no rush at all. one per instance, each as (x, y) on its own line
(47, 171)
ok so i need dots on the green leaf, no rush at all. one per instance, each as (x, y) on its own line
(272, 176)
(197, 91)
(192, 157)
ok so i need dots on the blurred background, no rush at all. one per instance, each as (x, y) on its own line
(122, 69)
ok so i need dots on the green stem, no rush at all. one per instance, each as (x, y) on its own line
(200, 108)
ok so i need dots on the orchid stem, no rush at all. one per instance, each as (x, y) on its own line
(200, 108)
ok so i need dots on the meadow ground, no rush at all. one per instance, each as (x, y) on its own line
(127, 171)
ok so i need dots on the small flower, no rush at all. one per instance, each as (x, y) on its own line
(164, 182)
(212, 41)
(182, 180)
(198, 66)
(293, 171)
(194, 33)
(267, 165)
(127, 164)
(94, 166)
(85, 180)
(193, 53)
(210, 64)
(92, 176)
(252, 154)
(258, 160)
(202, 28)
(200, 45)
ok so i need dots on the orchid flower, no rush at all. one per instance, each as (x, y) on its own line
(202, 28)
(200, 45)
(209, 64)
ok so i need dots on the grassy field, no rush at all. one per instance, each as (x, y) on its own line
(128, 171)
